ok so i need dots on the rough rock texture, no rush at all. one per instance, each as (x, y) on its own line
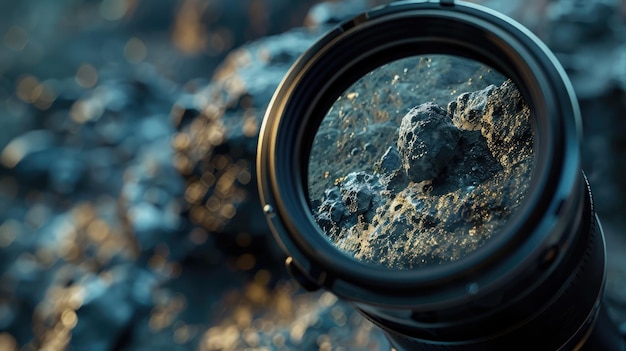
(219, 125)
(86, 196)
(391, 169)
(468, 108)
(462, 183)
(357, 196)
(427, 141)
(366, 117)
(505, 125)
(587, 37)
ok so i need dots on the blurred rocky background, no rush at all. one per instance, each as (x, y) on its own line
(129, 217)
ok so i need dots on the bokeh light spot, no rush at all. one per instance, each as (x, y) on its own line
(16, 38)
(246, 262)
(28, 89)
(113, 10)
(47, 95)
(262, 277)
(8, 232)
(228, 211)
(135, 51)
(189, 35)
(7, 342)
(69, 318)
(182, 335)
(86, 76)
(84, 111)
(198, 236)
(251, 127)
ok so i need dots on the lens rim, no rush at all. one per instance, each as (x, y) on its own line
(381, 36)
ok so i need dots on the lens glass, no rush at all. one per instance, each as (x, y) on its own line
(421, 162)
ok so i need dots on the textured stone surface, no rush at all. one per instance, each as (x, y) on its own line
(391, 169)
(468, 108)
(460, 186)
(366, 117)
(427, 141)
(357, 196)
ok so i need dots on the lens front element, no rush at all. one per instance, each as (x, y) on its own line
(421, 162)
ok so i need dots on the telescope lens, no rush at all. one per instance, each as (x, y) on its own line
(421, 162)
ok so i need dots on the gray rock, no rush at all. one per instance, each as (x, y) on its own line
(427, 141)
(390, 167)
(127, 170)
(220, 142)
(391, 162)
(575, 21)
(115, 303)
(505, 125)
(468, 108)
(356, 196)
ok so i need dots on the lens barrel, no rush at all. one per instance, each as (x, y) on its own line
(538, 285)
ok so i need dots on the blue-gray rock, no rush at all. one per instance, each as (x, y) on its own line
(390, 162)
(357, 195)
(468, 108)
(390, 167)
(427, 141)
(505, 125)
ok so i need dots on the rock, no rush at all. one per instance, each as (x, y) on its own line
(115, 303)
(468, 108)
(427, 141)
(506, 125)
(390, 167)
(356, 196)
(220, 143)
(574, 22)
(391, 162)
(324, 170)
(71, 207)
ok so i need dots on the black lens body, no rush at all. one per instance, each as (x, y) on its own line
(538, 285)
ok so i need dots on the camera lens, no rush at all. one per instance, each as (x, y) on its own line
(421, 161)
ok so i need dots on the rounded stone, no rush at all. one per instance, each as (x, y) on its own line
(427, 141)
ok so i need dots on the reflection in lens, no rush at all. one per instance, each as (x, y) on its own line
(421, 162)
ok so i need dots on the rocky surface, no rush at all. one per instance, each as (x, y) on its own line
(427, 141)
(101, 104)
(368, 114)
(452, 180)
(98, 238)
